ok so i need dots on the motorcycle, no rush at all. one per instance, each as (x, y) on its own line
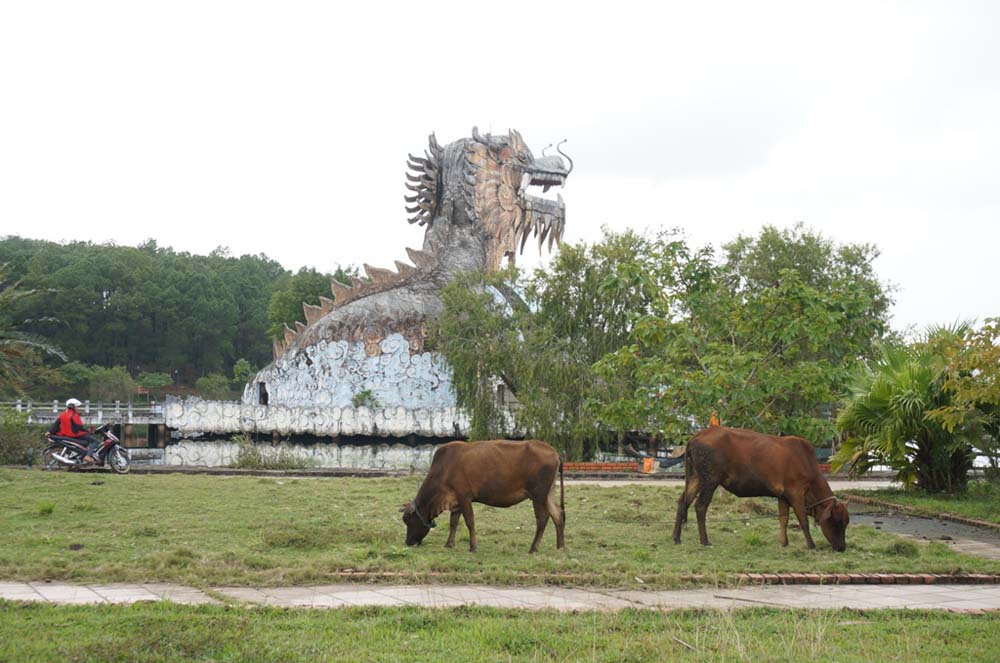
(70, 452)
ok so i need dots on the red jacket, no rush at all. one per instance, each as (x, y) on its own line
(70, 424)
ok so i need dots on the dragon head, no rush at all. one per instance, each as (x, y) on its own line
(484, 181)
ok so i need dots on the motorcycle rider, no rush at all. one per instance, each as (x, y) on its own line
(69, 424)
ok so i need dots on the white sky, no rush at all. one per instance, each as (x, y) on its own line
(282, 128)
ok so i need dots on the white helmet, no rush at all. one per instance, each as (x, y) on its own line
(73, 403)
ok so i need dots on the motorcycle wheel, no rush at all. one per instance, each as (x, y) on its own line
(118, 460)
(49, 463)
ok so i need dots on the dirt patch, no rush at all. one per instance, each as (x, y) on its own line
(930, 529)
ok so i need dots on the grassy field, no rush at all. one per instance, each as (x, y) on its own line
(204, 531)
(981, 501)
(167, 632)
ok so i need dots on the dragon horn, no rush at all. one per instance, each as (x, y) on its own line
(516, 141)
(478, 138)
(565, 155)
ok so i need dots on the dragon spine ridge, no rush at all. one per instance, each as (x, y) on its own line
(495, 171)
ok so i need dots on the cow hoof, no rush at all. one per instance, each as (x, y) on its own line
(449, 545)
(532, 551)
(677, 540)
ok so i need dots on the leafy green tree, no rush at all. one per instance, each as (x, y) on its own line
(304, 287)
(213, 386)
(537, 336)
(972, 380)
(766, 338)
(111, 384)
(155, 382)
(243, 372)
(77, 374)
(886, 419)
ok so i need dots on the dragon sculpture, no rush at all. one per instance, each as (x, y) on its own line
(358, 364)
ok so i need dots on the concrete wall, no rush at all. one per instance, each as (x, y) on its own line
(332, 373)
(195, 415)
(375, 456)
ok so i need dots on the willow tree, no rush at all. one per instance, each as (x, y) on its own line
(537, 337)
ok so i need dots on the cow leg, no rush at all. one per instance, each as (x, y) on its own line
(456, 515)
(783, 520)
(799, 504)
(701, 508)
(558, 517)
(687, 496)
(470, 522)
(541, 520)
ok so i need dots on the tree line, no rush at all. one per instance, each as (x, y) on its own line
(108, 314)
(638, 334)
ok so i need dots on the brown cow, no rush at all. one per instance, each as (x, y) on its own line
(751, 464)
(497, 473)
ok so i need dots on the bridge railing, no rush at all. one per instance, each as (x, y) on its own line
(92, 412)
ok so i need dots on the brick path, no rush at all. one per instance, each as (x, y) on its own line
(962, 598)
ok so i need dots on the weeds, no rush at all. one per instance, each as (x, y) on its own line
(256, 456)
(365, 398)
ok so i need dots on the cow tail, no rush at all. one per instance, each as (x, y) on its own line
(562, 502)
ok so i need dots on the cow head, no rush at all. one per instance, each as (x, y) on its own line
(832, 518)
(416, 526)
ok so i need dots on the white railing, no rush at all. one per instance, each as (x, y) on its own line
(96, 413)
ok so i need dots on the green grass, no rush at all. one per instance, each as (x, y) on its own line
(205, 531)
(981, 501)
(167, 632)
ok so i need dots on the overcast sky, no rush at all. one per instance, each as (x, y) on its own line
(283, 128)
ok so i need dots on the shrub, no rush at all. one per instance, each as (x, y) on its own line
(20, 442)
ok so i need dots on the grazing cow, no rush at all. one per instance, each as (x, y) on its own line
(497, 473)
(751, 464)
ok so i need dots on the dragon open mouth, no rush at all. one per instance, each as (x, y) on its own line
(547, 180)
(501, 169)
(543, 217)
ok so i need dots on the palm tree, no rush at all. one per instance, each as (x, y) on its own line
(885, 418)
(17, 347)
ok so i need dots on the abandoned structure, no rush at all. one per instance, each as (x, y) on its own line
(358, 366)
